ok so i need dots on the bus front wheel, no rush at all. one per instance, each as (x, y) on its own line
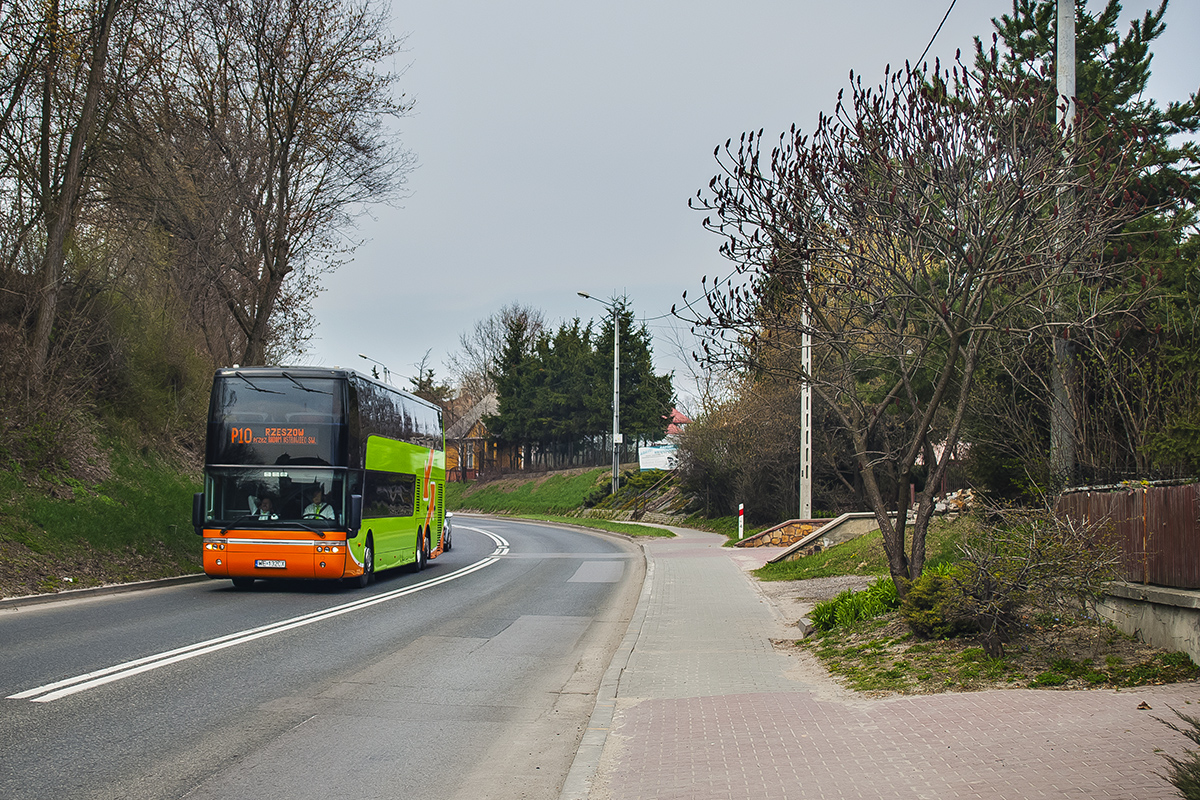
(368, 574)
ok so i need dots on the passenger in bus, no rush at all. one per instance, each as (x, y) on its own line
(266, 508)
(318, 508)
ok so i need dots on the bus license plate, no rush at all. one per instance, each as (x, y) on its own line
(268, 563)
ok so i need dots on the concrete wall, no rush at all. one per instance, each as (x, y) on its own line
(836, 531)
(1159, 616)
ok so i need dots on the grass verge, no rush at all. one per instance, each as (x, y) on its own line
(135, 525)
(864, 555)
(882, 655)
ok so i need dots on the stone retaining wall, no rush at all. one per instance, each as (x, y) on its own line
(783, 535)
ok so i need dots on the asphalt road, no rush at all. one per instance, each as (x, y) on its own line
(474, 678)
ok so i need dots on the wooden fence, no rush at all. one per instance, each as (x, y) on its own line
(1158, 528)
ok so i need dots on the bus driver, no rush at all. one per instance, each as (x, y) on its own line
(318, 508)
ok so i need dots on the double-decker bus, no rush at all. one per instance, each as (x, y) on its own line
(318, 473)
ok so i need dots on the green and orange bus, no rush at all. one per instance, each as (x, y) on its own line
(318, 473)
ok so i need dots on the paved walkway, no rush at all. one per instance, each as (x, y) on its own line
(698, 704)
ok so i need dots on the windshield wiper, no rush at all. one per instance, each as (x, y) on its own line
(242, 518)
(254, 517)
(255, 388)
(302, 386)
(310, 528)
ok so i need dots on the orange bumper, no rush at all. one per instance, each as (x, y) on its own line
(284, 554)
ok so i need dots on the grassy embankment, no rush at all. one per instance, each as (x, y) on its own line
(864, 556)
(553, 497)
(134, 525)
(881, 654)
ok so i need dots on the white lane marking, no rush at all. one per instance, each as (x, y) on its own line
(69, 686)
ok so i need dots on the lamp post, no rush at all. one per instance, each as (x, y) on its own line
(616, 386)
(387, 374)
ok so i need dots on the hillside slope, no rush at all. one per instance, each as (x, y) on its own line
(61, 534)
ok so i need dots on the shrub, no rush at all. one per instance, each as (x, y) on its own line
(933, 607)
(1184, 774)
(824, 615)
(850, 607)
(1036, 559)
(597, 495)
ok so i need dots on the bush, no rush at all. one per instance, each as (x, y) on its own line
(934, 607)
(850, 607)
(1184, 774)
(597, 495)
(824, 615)
(1035, 559)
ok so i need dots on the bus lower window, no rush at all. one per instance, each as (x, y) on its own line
(265, 495)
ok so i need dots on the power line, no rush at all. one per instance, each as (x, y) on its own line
(935, 33)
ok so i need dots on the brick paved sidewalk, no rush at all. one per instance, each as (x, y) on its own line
(706, 708)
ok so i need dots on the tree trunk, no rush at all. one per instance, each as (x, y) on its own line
(61, 195)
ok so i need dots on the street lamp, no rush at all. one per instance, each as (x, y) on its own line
(616, 386)
(387, 375)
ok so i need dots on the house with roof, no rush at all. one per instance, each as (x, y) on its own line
(467, 441)
(664, 454)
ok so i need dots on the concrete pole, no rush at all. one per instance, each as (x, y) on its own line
(616, 431)
(805, 418)
(616, 398)
(1062, 374)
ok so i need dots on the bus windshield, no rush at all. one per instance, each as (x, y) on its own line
(278, 420)
(265, 495)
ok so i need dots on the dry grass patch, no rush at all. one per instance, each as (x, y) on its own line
(882, 655)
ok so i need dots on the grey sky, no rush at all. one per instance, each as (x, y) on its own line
(558, 144)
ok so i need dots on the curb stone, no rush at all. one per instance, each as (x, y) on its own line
(98, 591)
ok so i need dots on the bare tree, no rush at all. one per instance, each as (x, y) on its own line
(265, 140)
(66, 67)
(474, 365)
(914, 230)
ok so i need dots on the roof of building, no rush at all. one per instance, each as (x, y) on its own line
(677, 420)
(463, 425)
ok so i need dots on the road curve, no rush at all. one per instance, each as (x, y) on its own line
(473, 678)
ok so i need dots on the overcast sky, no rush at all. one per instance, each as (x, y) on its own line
(558, 143)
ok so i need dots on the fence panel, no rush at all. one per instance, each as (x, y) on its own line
(1157, 529)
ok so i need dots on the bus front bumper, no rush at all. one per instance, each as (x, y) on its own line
(247, 554)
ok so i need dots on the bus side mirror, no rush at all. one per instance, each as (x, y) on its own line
(354, 517)
(198, 513)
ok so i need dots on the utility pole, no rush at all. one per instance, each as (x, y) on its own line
(805, 417)
(616, 428)
(1062, 368)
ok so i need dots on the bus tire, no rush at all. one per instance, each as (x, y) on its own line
(361, 581)
(419, 556)
(243, 583)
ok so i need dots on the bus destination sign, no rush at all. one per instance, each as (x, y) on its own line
(270, 436)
